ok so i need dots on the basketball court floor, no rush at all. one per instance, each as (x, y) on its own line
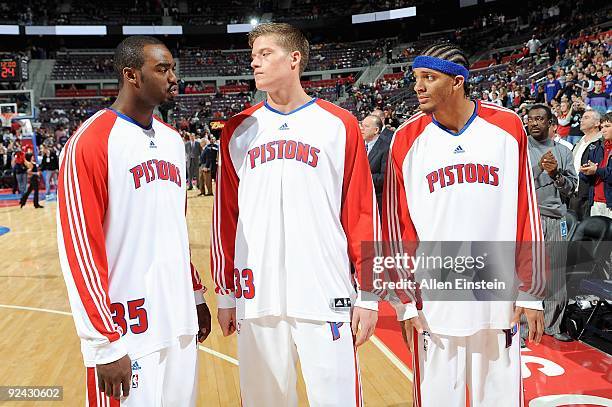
(39, 346)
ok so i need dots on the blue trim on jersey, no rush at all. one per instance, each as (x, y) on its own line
(471, 119)
(129, 119)
(3, 230)
(310, 102)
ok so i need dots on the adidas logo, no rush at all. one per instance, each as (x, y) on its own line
(135, 365)
(284, 127)
(458, 150)
(152, 144)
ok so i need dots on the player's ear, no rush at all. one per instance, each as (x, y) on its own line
(458, 82)
(296, 58)
(129, 75)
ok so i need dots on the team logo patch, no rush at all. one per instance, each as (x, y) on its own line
(284, 127)
(459, 150)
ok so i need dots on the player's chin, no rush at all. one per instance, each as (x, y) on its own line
(427, 107)
(262, 85)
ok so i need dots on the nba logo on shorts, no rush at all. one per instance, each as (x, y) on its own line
(426, 339)
(135, 381)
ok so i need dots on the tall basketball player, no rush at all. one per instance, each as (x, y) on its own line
(136, 299)
(295, 200)
(435, 192)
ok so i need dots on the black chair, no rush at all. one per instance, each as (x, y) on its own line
(589, 252)
(572, 223)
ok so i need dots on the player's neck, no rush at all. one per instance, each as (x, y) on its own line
(455, 114)
(134, 109)
(288, 99)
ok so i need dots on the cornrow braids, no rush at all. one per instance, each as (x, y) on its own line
(452, 53)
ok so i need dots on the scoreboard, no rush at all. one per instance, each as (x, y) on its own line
(13, 69)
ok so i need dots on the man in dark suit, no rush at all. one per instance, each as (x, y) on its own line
(193, 149)
(386, 133)
(377, 149)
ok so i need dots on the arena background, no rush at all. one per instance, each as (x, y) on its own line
(56, 71)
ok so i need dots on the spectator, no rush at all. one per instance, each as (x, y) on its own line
(554, 135)
(386, 133)
(577, 109)
(49, 167)
(555, 180)
(598, 99)
(5, 159)
(193, 149)
(597, 172)
(377, 149)
(564, 117)
(34, 172)
(201, 177)
(20, 170)
(208, 159)
(589, 125)
(562, 46)
(533, 45)
(552, 88)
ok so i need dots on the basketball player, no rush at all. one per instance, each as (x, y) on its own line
(136, 300)
(294, 202)
(435, 192)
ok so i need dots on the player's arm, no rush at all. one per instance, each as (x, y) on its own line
(530, 259)
(399, 232)
(400, 238)
(223, 236)
(359, 218)
(82, 203)
(198, 292)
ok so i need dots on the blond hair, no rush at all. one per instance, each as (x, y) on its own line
(288, 37)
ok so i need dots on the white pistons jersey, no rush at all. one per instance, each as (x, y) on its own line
(475, 185)
(294, 202)
(122, 237)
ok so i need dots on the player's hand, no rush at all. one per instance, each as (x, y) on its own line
(407, 330)
(363, 324)
(203, 322)
(114, 377)
(535, 322)
(227, 320)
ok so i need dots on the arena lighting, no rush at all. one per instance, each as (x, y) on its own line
(152, 30)
(65, 30)
(9, 30)
(384, 15)
(254, 22)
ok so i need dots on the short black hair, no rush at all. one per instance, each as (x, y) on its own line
(130, 53)
(549, 114)
(452, 53)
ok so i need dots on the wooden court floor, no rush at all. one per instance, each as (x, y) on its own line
(38, 341)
